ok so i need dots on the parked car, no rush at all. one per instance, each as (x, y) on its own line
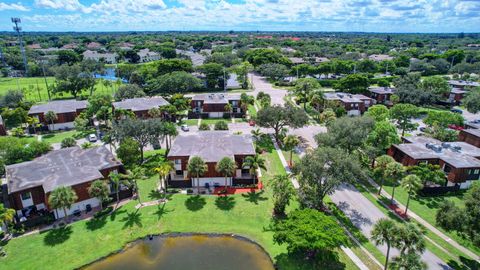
(476, 121)
(185, 128)
(423, 129)
(92, 138)
(456, 111)
(455, 127)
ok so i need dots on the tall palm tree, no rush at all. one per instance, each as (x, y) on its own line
(137, 173)
(408, 261)
(412, 184)
(229, 108)
(227, 167)
(99, 189)
(6, 215)
(116, 181)
(62, 197)
(410, 239)
(197, 167)
(384, 232)
(51, 116)
(163, 169)
(395, 172)
(381, 164)
(256, 134)
(254, 163)
(289, 143)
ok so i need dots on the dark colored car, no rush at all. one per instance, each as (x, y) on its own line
(456, 111)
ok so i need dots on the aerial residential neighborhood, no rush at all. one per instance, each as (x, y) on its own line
(259, 135)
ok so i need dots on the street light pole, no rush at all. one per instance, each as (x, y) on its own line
(17, 29)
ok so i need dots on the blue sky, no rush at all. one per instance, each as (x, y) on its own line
(286, 15)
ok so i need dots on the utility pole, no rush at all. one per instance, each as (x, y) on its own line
(224, 81)
(18, 29)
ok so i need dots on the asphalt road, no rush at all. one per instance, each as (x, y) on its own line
(364, 214)
(260, 84)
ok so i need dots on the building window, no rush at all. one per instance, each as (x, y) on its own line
(179, 172)
(178, 161)
(26, 196)
(477, 171)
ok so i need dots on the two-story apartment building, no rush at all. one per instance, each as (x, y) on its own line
(459, 160)
(140, 106)
(30, 183)
(470, 135)
(461, 84)
(211, 146)
(354, 104)
(66, 111)
(109, 58)
(147, 56)
(214, 105)
(381, 95)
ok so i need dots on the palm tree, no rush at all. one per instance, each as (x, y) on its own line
(229, 108)
(256, 134)
(254, 163)
(163, 169)
(133, 176)
(412, 184)
(289, 143)
(409, 261)
(6, 215)
(99, 189)
(283, 191)
(227, 167)
(410, 239)
(197, 167)
(51, 117)
(395, 172)
(62, 197)
(116, 181)
(381, 164)
(384, 232)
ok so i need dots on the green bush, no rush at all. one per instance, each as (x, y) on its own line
(68, 142)
(204, 126)
(221, 125)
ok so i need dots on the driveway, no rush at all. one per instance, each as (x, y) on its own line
(364, 214)
(260, 84)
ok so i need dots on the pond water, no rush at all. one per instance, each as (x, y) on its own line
(199, 252)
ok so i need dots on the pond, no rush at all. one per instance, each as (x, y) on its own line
(199, 252)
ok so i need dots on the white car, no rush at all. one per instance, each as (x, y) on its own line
(92, 138)
(185, 128)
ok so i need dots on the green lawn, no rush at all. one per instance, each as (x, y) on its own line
(35, 89)
(251, 111)
(57, 137)
(190, 122)
(248, 215)
(213, 121)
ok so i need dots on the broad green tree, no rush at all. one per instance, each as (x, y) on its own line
(197, 167)
(62, 197)
(381, 164)
(394, 171)
(304, 232)
(163, 169)
(322, 171)
(304, 88)
(472, 101)
(7, 215)
(378, 112)
(278, 117)
(383, 136)
(403, 114)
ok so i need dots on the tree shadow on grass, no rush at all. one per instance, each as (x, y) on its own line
(300, 261)
(225, 203)
(57, 236)
(155, 195)
(133, 218)
(195, 203)
(254, 197)
(116, 212)
(96, 223)
(161, 211)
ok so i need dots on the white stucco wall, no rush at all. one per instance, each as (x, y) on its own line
(94, 202)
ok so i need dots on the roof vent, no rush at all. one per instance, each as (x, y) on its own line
(446, 145)
(457, 148)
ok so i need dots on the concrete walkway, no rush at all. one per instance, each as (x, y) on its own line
(284, 163)
(428, 225)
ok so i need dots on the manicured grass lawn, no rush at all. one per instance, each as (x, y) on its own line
(251, 111)
(190, 122)
(34, 89)
(57, 137)
(85, 241)
(213, 121)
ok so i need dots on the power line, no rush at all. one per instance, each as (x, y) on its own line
(18, 29)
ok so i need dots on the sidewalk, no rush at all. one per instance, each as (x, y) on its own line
(428, 225)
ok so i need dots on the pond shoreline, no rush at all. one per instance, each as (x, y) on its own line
(151, 237)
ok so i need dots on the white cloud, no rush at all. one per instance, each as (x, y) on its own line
(68, 5)
(13, 6)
